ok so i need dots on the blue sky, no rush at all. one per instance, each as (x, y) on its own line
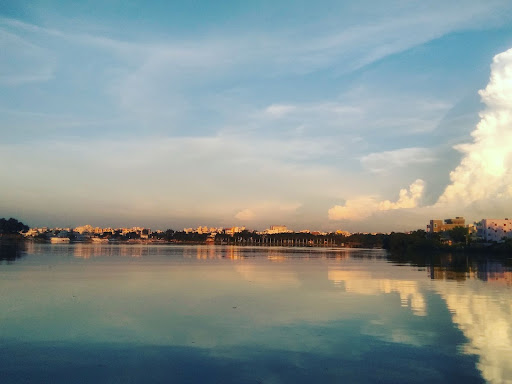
(313, 115)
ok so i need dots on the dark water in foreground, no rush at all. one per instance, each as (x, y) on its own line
(137, 313)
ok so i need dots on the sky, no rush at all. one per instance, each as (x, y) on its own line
(368, 116)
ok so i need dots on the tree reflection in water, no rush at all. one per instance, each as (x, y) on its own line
(11, 250)
(458, 266)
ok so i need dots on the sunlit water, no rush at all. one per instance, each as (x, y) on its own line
(206, 314)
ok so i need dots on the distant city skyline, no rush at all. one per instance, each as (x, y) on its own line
(367, 117)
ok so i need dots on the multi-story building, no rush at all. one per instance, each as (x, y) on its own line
(439, 226)
(202, 230)
(231, 231)
(84, 229)
(277, 229)
(494, 229)
(33, 232)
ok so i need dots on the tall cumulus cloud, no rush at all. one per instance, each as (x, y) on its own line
(485, 171)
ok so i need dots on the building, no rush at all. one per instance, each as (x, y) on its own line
(231, 231)
(277, 229)
(439, 226)
(90, 230)
(494, 229)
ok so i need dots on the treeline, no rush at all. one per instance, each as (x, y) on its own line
(246, 237)
(456, 239)
(11, 242)
(415, 241)
(12, 226)
(173, 236)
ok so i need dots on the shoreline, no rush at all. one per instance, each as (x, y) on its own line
(478, 248)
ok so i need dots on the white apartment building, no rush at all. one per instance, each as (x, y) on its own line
(494, 229)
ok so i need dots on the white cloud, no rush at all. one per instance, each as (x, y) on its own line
(407, 198)
(382, 162)
(245, 214)
(165, 83)
(279, 110)
(307, 111)
(363, 207)
(482, 180)
(354, 209)
(485, 171)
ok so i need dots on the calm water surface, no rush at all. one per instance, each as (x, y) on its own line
(205, 314)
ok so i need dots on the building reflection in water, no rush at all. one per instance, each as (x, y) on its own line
(201, 253)
(87, 251)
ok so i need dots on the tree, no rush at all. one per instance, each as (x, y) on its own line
(459, 234)
(12, 226)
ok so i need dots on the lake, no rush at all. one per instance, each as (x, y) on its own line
(85, 313)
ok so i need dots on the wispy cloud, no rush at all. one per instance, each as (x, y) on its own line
(229, 115)
(388, 161)
(23, 61)
(279, 110)
(355, 112)
(406, 27)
